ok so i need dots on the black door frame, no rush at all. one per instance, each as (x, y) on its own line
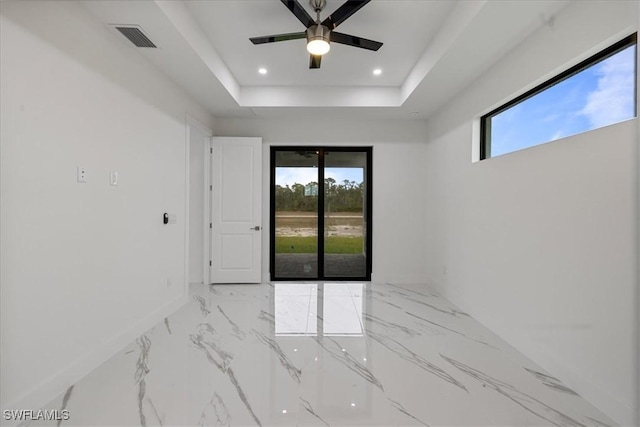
(320, 149)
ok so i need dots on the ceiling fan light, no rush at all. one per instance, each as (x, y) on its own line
(318, 46)
(318, 40)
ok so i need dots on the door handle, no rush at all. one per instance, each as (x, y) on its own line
(256, 228)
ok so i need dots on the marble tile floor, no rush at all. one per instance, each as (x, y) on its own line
(321, 354)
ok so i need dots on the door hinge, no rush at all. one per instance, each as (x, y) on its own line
(210, 225)
(211, 188)
(211, 150)
(209, 263)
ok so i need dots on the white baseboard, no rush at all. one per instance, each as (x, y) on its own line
(56, 384)
(594, 393)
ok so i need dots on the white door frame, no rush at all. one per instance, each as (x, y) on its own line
(192, 122)
(209, 172)
(208, 180)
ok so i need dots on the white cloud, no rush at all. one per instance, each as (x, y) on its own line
(291, 175)
(613, 100)
(341, 174)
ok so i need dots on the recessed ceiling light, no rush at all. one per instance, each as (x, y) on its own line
(284, 411)
(353, 404)
(377, 72)
(414, 114)
(262, 70)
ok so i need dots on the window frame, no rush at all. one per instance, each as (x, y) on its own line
(485, 120)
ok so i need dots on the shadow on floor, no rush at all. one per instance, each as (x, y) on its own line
(305, 266)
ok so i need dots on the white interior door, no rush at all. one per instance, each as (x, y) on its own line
(236, 210)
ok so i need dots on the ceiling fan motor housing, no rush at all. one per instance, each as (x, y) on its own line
(318, 32)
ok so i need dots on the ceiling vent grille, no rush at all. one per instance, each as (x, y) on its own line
(135, 36)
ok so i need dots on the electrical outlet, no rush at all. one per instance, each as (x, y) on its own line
(82, 174)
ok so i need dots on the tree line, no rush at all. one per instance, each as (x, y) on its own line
(347, 196)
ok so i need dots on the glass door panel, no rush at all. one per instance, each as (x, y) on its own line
(296, 214)
(345, 254)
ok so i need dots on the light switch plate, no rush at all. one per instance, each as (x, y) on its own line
(113, 178)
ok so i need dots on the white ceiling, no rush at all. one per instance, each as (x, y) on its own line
(432, 50)
(288, 62)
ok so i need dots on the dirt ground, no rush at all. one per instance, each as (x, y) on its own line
(306, 224)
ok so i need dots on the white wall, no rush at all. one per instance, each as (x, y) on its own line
(541, 244)
(85, 267)
(398, 178)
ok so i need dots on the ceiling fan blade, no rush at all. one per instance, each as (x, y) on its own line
(278, 37)
(355, 41)
(314, 61)
(343, 12)
(299, 11)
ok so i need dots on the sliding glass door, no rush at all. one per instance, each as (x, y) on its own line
(320, 213)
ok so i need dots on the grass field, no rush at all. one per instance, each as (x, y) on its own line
(309, 245)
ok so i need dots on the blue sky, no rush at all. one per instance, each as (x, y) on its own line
(598, 96)
(290, 176)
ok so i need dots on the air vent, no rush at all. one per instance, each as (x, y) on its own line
(135, 35)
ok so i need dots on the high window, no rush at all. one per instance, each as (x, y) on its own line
(598, 92)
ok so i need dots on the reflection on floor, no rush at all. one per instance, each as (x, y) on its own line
(321, 354)
(306, 265)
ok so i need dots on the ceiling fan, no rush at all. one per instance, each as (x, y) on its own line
(320, 33)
